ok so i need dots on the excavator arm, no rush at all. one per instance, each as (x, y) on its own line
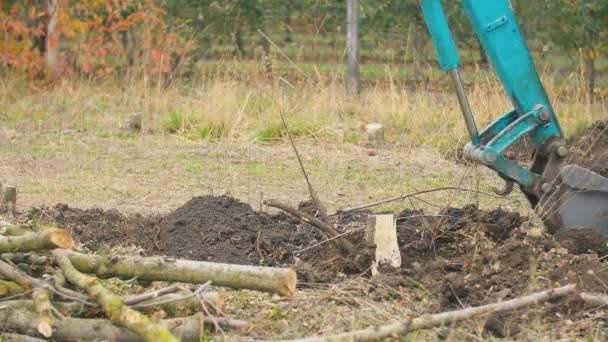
(565, 196)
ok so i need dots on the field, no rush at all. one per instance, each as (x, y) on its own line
(211, 149)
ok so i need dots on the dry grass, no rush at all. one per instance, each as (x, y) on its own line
(218, 107)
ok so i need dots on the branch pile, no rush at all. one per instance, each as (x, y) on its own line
(48, 290)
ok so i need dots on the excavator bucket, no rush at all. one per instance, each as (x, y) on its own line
(580, 201)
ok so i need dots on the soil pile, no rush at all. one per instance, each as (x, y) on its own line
(590, 148)
(223, 229)
(96, 228)
(209, 228)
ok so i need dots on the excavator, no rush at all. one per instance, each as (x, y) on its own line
(564, 196)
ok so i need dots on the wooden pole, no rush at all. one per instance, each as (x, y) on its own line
(10, 198)
(352, 46)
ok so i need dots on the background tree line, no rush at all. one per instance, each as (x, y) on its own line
(103, 37)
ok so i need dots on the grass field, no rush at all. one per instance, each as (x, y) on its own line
(196, 131)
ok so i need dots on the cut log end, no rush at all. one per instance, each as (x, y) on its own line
(288, 287)
(62, 239)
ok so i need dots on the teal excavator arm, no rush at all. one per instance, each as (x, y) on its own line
(566, 196)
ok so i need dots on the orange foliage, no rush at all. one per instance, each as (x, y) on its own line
(94, 36)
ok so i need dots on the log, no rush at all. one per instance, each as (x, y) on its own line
(9, 288)
(46, 318)
(266, 279)
(14, 230)
(26, 258)
(19, 338)
(21, 319)
(10, 272)
(45, 240)
(444, 318)
(342, 242)
(118, 313)
(594, 299)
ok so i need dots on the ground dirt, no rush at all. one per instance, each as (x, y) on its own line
(462, 256)
(590, 148)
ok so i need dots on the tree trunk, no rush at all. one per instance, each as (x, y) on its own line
(240, 44)
(118, 313)
(265, 279)
(352, 46)
(52, 38)
(590, 74)
(37, 241)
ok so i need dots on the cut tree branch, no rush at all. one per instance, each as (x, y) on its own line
(9, 288)
(266, 279)
(45, 240)
(21, 319)
(341, 242)
(118, 313)
(444, 318)
(313, 194)
(44, 308)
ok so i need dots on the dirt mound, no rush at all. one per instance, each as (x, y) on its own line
(590, 148)
(223, 229)
(96, 228)
(212, 228)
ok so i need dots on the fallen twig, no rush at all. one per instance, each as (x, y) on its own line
(341, 242)
(313, 194)
(328, 240)
(132, 300)
(173, 300)
(413, 194)
(594, 299)
(430, 321)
